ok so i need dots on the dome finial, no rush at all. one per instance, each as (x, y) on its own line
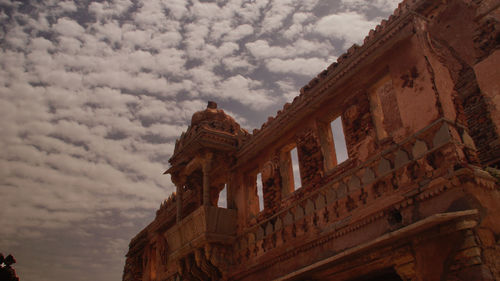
(212, 105)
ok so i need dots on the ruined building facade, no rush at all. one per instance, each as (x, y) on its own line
(412, 195)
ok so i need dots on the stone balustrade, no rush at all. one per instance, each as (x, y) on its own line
(381, 186)
(207, 224)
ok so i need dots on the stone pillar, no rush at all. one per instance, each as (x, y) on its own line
(229, 195)
(178, 201)
(207, 166)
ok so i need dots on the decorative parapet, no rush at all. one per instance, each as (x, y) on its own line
(420, 167)
(207, 224)
(167, 206)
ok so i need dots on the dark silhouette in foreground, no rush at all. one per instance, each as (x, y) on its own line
(7, 273)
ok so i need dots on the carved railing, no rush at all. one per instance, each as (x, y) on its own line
(207, 224)
(378, 187)
(167, 205)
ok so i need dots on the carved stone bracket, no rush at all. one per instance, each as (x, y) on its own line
(405, 268)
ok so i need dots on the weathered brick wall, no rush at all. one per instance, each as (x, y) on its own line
(480, 124)
(271, 185)
(357, 122)
(490, 248)
(486, 42)
(311, 158)
(487, 35)
(465, 35)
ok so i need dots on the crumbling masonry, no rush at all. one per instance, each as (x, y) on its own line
(418, 197)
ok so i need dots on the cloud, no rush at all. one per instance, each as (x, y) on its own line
(250, 12)
(123, 80)
(68, 27)
(176, 8)
(164, 40)
(106, 10)
(275, 16)
(150, 15)
(301, 66)
(205, 10)
(69, 45)
(383, 5)
(175, 112)
(16, 37)
(248, 92)
(261, 49)
(41, 44)
(110, 31)
(289, 89)
(136, 37)
(351, 27)
(237, 62)
(239, 32)
(67, 6)
(9, 3)
(299, 26)
(195, 38)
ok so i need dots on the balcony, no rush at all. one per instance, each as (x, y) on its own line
(207, 224)
(414, 170)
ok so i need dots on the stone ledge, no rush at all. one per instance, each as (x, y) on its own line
(410, 230)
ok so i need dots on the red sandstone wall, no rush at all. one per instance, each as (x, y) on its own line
(412, 96)
(488, 72)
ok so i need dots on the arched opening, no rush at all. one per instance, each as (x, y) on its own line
(194, 183)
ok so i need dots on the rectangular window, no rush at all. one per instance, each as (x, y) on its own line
(290, 169)
(339, 140)
(222, 202)
(297, 182)
(260, 192)
(333, 143)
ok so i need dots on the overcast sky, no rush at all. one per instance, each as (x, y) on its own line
(94, 94)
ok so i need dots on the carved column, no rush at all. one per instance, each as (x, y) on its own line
(179, 182)
(229, 190)
(207, 166)
(229, 195)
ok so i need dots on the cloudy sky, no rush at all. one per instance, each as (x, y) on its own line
(94, 94)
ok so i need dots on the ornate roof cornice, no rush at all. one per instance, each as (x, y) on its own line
(210, 128)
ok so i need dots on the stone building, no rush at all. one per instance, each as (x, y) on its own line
(383, 168)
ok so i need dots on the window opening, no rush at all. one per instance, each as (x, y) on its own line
(290, 169)
(222, 202)
(297, 181)
(260, 192)
(339, 140)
